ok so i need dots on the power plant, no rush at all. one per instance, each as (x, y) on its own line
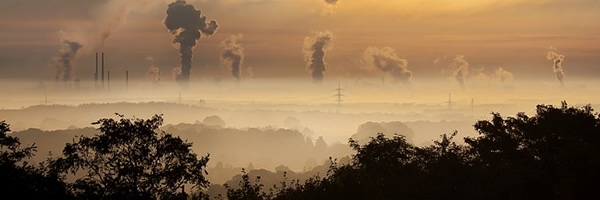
(99, 75)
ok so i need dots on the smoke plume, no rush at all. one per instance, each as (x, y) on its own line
(187, 25)
(461, 69)
(330, 6)
(557, 59)
(153, 73)
(113, 15)
(64, 60)
(176, 73)
(386, 60)
(331, 2)
(503, 75)
(233, 53)
(110, 15)
(314, 53)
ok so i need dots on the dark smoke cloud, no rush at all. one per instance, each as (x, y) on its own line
(386, 60)
(314, 53)
(64, 60)
(233, 53)
(187, 24)
(557, 60)
(461, 69)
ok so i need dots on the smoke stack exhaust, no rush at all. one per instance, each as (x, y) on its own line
(233, 54)
(187, 25)
(557, 60)
(461, 70)
(64, 60)
(315, 48)
(386, 60)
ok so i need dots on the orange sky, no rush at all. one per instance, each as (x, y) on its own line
(512, 34)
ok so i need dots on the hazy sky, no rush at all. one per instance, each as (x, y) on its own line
(411, 40)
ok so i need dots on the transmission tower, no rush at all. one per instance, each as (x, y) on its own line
(179, 97)
(449, 101)
(339, 96)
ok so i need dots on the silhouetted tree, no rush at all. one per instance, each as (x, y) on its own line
(131, 159)
(20, 179)
(446, 169)
(246, 190)
(551, 155)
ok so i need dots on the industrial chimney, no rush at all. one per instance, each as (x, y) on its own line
(108, 80)
(96, 73)
(126, 80)
(102, 70)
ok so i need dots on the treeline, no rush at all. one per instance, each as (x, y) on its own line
(229, 147)
(554, 154)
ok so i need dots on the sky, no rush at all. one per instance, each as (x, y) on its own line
(404, 40)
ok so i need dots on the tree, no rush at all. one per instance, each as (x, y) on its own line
(551, 155)
(21, 179)
(131, 159)
(446, 168)
(554, 154)
(246, 190)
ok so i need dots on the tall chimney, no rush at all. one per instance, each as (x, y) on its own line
(102, 70)
(126, 80)
(96, 73)
(108, 80)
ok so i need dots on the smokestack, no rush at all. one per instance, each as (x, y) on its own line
(188, 25)
(449, 100)
(127, 80)
(314, 53)
(102, 70)
(96, 72)
(233, 53)
(386, 60)
(108, 80)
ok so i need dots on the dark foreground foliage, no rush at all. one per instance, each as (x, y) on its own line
(554, 154)
(21, 179)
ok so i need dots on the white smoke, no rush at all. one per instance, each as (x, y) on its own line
(557, 60)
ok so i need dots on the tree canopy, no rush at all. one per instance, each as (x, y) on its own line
(131, 159)
(18, 178)
(553, 154)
